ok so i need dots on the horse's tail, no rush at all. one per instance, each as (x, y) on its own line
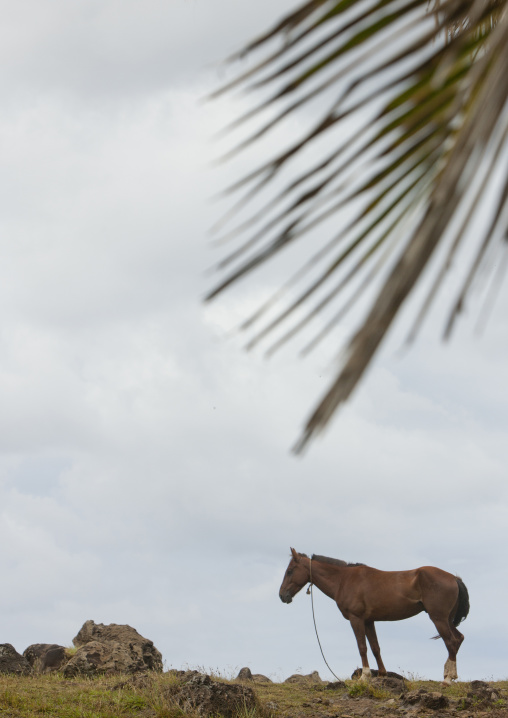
(463, 604)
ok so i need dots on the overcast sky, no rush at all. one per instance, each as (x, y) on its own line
(145, 471)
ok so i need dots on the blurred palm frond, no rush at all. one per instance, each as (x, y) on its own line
(415, 113)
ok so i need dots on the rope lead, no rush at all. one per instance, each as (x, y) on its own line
(309, 590)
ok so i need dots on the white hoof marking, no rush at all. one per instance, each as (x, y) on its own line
(366, 674)
(450, 671)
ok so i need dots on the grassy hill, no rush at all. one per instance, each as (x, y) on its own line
(153, 696)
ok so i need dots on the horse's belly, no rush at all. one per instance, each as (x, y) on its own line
(398, 613)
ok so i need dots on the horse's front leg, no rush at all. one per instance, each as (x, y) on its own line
(370, 630)
(358, 626)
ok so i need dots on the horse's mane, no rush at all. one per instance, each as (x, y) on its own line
(334, 561)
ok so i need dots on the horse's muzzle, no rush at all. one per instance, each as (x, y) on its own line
(286, 597)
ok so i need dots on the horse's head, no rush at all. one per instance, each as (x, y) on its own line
(295, 578)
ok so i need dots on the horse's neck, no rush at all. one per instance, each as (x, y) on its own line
(325, 577)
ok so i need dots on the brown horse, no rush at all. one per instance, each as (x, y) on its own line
(365, 595)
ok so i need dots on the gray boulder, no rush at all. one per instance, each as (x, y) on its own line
(433, 700)
(112, 649)
(481, 695)
(313, 677)
(388, 683)
(246, 674)
(201, 695)
(46, 657)
(13, 662)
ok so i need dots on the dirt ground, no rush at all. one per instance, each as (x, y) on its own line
(385, 698)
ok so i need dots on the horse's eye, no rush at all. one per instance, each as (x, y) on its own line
(290, 572)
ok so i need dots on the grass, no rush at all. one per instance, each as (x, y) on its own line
(52, 695)
(151, 697)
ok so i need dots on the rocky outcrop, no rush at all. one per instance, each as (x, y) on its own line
(13, 662)
(200, 694)
(433, 700)
(46, 657)
(389, 683)
(111, 649)
(480, 695)
(309, 678)
(246, 674)
(96, 658)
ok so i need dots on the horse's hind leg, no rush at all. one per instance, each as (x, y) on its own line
(358, 626)
(451, 665)
(452, 640)
(370, 630)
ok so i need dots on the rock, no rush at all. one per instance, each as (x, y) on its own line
(260, 678)
(479, 686)
(434, 700)
(309, 678)
(481, 694)
(107, 657)
(210, 698)
(357, 673)
(111, 649)
(335, 685)
(245, 674)
(13, 662)
(183, 674)
(95, 658)
(414, 697)
(389, 683)
(46, 657)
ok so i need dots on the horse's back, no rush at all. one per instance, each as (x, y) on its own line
(396, 595)
(432, 574)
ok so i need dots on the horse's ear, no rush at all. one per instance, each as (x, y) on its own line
(295, 555)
